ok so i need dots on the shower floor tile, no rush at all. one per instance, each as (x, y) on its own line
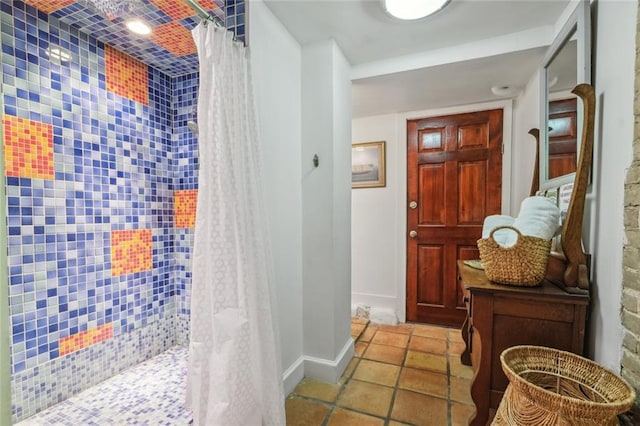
(151, 393)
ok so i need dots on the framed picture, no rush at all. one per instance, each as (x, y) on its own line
(367, 165)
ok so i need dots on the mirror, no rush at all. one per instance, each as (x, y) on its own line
(566, 64)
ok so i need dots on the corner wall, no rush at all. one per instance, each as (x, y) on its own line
(276, 61)
(615, 51)
(326, 210)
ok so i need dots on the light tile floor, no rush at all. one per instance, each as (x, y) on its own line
(151, 393)
(408, 374)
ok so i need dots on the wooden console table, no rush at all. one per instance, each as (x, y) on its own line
(500, 316)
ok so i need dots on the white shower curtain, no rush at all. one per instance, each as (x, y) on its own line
(234, 373)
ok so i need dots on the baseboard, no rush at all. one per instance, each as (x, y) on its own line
(374, 300)
(293, 375)
(326, 370)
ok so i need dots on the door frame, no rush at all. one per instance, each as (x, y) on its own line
(401, 202)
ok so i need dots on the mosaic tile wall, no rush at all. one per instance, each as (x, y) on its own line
(92, 155)
(185, 165)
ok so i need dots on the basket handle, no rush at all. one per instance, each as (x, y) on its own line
(497, 228)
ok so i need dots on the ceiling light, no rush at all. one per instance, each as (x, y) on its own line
(58, 53)
(505, 90)
(138, 26)
(413, 9)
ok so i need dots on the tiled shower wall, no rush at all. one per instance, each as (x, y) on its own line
(101, 185)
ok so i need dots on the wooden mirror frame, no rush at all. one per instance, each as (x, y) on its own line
(570, 269)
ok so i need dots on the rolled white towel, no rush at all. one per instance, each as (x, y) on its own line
(503, 237)
(538, 217)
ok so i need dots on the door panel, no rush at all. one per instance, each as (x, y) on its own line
(454, 166)
(430, 259)
(432, 187)
(471, 190)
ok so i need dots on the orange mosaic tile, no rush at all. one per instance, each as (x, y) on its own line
(28, 148)
(178, 10)
(175, 38)
(184, 208)
(126, 76)
(131, 251)
(83, 339)
(48, 6)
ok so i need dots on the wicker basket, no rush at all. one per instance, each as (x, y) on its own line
(552, 387)
(523, 264)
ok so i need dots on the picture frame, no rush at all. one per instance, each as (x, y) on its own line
(368, 165)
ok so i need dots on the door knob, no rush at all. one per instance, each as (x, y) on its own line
(413, 205)
(413, 234)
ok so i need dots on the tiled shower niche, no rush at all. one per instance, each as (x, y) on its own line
(101, 179)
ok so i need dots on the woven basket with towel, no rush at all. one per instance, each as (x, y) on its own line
(515, 251)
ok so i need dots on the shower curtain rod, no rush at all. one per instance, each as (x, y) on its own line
(193, 4)
(203, 12)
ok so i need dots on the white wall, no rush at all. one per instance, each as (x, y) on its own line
(374, 278)
(326, 210)
(526, 116)
(276, 59)
(614, 38)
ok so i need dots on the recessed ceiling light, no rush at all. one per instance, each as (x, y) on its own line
(413, 9)
(138, 26)
(58, 53)
(505, 90)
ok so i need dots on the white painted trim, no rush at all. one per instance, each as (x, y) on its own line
(401, 218)
(326, 370)
(293, 375)
(373, 300)
(509, 43)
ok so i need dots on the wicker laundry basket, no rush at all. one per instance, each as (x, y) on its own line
(523, 264)
(552, 387)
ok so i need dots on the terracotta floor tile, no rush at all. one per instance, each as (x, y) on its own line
(419, 409)
(424, 381)
(301, 412)
(359, 320)
(461, 390)
(377, 372)
(388, 354)
(349, 370)
(394, 423)
(319, 390)
(432, 331)
(426, 361)
(366, 397)
(456, 348)
(368, 333)
(356, 330)
(455, 335)
(342, 417)
(426, 344)
(360, 347)
(390, 339)
(400, 328)
(457, 369)
(460, 414)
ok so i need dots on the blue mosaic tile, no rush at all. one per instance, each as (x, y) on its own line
(116, 165)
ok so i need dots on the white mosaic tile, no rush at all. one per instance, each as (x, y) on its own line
(151, 393)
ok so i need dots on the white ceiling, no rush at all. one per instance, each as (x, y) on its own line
(371, 41)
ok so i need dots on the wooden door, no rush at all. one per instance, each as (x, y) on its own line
(454, 180)
(562, 137)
